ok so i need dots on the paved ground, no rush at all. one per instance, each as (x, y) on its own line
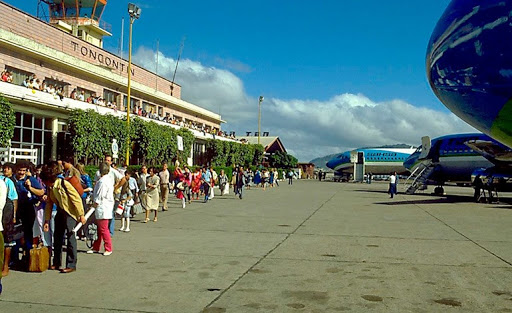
(311, 247)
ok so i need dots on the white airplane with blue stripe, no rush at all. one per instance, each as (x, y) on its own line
(378, 160)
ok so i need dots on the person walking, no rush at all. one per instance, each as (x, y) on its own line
(180, 186)
(164, 186)
(240, 182)
(152, 188)
(206, 178)
(290, 177)
(276, 177)
(103, 200)
(188, 183)
(126, 199)
(223, 180)
(70, 210)
(196, 183)
(142, 183)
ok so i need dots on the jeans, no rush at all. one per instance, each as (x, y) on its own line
(64, 223)
(241, 191)
(103, 234)
(112, 222)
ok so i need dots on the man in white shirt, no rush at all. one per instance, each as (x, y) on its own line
(164, 186)
(392, 184)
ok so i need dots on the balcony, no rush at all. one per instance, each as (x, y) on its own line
(21, 95)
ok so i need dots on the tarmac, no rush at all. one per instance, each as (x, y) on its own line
(310, 247)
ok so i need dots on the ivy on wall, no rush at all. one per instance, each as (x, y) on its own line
(92, 135)
(7, 122)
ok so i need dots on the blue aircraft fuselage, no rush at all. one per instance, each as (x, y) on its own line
(469, 64)
(455, 161)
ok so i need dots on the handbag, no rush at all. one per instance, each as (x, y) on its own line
(75, 182)
(137, 208)
(180, 186)
(120, 209)
(39, 258)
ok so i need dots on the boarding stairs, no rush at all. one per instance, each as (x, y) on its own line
(418, 178)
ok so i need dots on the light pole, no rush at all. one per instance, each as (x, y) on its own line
(134, 12)
(259, 118)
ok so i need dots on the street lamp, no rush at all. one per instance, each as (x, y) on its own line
(134, 12)
(259, 118)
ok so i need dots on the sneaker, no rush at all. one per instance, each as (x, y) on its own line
(92, 251)
(121, 229)
(107, 253)
(127, 230)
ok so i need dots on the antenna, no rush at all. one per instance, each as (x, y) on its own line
(177, 61)
(122, 38)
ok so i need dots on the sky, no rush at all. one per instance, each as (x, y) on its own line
(335, 74)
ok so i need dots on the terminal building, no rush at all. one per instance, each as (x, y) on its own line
(64, 62)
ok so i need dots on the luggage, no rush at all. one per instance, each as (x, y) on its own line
(39, 258)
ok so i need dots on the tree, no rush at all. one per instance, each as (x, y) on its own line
(282, 160)
(7, 122)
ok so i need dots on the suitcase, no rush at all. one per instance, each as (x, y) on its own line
(39, 258)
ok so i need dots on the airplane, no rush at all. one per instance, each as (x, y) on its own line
(377, 160)
(469, 65)
(457, 159)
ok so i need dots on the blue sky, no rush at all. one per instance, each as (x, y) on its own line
(335, 75)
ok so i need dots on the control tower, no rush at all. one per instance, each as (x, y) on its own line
(81, 18)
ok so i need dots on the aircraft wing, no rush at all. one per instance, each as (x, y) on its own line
(491, 151)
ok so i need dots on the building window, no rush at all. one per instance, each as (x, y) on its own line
(133, 102)
(55, 83)
(87, 93)
(18, 76)
(109, 96)
(33, 132)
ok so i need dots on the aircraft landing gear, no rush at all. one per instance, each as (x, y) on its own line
(439, 191)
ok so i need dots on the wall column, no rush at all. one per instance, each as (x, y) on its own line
(55, 130)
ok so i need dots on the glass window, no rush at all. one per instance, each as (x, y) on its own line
(38, 123)
(110, 96)
(27, 120)
(18, 119)
(27, 135)
(48, 123)
(38, 136)
(18, 76)
(17, 135)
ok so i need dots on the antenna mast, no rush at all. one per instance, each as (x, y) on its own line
(177, 62)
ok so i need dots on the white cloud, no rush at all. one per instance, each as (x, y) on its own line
(307, 128)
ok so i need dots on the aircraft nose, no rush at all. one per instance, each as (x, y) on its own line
(468, 64)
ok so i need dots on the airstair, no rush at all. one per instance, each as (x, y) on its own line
(419, 176)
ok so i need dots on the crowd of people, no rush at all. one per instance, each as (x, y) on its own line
(57, 91)
(42, 205)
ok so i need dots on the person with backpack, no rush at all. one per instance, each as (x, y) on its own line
(70, 210)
